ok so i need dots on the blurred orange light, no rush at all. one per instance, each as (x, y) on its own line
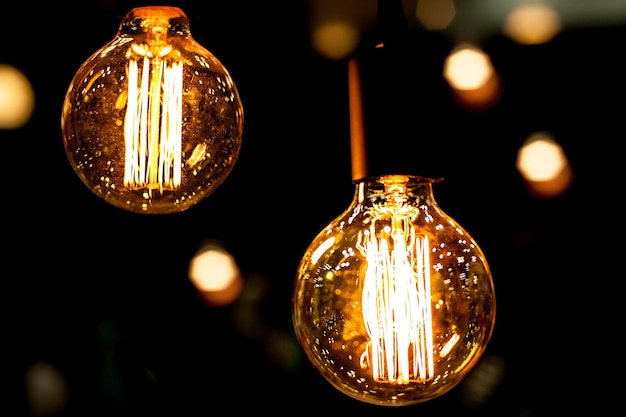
(215, 274)
(17, 98)
(532, 24)
(544, 166)
(467, 67)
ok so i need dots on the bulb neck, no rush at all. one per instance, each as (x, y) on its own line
(395, 189)
(158, 21)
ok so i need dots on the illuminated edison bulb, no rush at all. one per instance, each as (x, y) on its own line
(394, 301)
(152, 122)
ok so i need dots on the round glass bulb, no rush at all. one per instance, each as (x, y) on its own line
(394, 301)
(152, 122)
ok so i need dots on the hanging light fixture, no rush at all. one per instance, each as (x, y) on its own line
(393, 301)
(152, 122)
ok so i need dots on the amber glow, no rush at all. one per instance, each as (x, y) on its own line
(396, 299)
(153, 127)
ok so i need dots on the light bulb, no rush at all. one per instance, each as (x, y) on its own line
(394, 301)
(152, 122)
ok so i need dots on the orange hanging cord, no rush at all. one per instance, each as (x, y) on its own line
(357, 128)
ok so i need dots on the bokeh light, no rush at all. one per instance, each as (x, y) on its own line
(215, 274)
(17, 98)
(336, 26)
(435, 14)
(532, 23)
(46, 390)
(467, 67)
(544, 166)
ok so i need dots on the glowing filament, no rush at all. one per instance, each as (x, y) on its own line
(153, 125)
(396, 301)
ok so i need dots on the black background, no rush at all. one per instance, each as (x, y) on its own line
(103, 294)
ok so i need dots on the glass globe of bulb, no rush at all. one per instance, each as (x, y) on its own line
(152, 122)
(393, 301)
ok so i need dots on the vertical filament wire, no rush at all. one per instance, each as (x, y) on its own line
(153, 125)
(396, 298)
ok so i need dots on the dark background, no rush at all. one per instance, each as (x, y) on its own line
(103, 295)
